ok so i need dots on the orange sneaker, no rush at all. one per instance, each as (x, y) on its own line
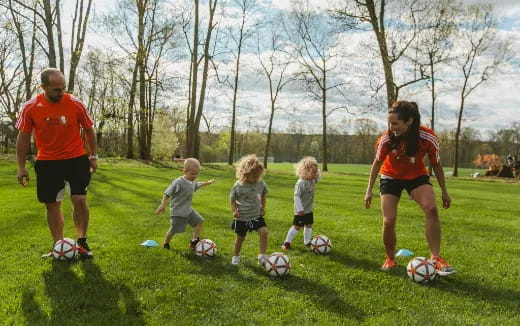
(442, 267)
(388, 264)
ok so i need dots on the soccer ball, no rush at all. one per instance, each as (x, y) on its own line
(421, 270)
(206, 248)
(278, 264)
(320, 244)
(64, 249)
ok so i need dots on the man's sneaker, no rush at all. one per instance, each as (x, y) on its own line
(84, 250)
(307, 244)
(166, 246)
(286, 245)
(388, 264)
(442, 267)
(235, 260)
(262, 259)
(193, 243)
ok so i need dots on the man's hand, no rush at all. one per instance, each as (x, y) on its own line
(23, 176)
(93, 165)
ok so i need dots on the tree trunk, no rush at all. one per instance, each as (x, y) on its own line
(77, 49)
(233, 116)
(60, 38)
(269, 132)
(142, 6)
(130, 115)
(200, 107)
(191, 128)
(324, 117)
(379, 29)
(49, 33)
(457, 136)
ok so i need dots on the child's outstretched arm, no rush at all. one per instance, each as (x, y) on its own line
(161, 207)
(234, 209)
(202, 184)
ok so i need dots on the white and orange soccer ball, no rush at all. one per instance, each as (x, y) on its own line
(206, 248)
(64, 249)
(321, 245)
(421, 270)
(278, 264)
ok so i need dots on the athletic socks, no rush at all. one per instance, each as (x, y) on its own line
(307, 234)
(291, 234)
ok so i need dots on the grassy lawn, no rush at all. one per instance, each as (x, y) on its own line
(126, 284)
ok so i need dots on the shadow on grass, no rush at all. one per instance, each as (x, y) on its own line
(320, 294)
(86, 299)
(508, 298)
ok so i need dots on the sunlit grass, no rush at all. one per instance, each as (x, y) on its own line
(127, 284)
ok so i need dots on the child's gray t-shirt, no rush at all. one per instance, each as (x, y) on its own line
(304, 189)
(181, 193)
(248, 197)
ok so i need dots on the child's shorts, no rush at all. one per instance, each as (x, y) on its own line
(178, 223)
(301, 220)
(242, 227)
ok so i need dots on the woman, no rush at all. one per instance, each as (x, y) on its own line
(399, 157)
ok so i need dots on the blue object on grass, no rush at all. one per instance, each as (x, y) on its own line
(150, 243)
(404, 253)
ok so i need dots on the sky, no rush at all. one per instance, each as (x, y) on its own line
(494, 105)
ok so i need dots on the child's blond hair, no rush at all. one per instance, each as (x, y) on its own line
(305, 167)
(249, 165)
(191, 163)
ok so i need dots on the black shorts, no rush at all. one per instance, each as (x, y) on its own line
(242, 227)
(52, 175)
(396, 186)
(301, 220)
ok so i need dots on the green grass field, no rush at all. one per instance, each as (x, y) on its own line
(126, 284)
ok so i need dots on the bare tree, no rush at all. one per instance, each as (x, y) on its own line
(195, 108)
(275, 62)
(313, 36)
(395, 27)
(481, 53)
(25, 27)
(77, 38)
(238, 38)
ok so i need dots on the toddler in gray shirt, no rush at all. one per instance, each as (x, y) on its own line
(308, 175)
(181, 193)
(248, 205)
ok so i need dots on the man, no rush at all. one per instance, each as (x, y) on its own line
(56, 119)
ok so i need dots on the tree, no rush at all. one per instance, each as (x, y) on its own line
(313, 36)
(480, 54)
(195, 108)
(77, 39)
(244, 31)
(275, 61)
(395, 27)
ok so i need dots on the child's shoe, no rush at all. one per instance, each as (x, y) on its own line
(442, 267)
(286, 246)
(261, 259)
(388, 264)
(307, 244)
(235, 260)
(166, 246)
(193, 243)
